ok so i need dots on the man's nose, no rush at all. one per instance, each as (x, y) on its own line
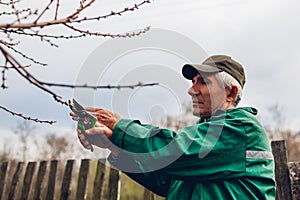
(192, 91)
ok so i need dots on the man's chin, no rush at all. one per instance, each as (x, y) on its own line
(198, 113)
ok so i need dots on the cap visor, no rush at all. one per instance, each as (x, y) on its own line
(191, 70)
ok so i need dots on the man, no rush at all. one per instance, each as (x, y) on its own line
(226, 155)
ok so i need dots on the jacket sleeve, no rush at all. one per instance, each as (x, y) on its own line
(155, 181)
(206, 151)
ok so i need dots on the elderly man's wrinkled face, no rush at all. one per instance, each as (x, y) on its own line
(207, 95)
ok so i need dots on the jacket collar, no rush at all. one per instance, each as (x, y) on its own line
(221, 112)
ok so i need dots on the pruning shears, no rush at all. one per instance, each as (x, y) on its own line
(85, 120)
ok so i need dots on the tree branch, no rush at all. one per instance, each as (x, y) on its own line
(43, 12)
(113, 13)
(25, 24)
(95, 87)
(30, 78)
(80, 9)
(87, 32)
(26, 117)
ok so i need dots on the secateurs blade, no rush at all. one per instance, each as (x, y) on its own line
(85, 120)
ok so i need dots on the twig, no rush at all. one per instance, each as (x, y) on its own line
(16, 11)
(25, 117)
(24, 17)
(80, 9)
(9, 3)
(13, 12)
(70, 19)
(25, 56)
(56, 10)
(8, 43)
(7, 67)
(29, 77)
(3, 86)
(19, 32)
(109, 34)
(43, 12)
(113, 13)
(95, 87)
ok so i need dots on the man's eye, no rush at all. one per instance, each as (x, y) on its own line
(202, 81)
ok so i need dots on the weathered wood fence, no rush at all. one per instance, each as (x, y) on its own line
(287, 175)
(90, 179)
(71, 179)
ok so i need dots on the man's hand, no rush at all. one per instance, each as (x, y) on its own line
(99, 136)
(104, 116)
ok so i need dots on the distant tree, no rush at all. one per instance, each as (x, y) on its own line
(5, 153)
(52, 147)
(59, 147)
(278, 131)
(24, 131)
(178, 122)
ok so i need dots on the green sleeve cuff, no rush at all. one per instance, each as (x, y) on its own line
(119, 132)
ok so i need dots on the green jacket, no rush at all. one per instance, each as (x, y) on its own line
(227, 156)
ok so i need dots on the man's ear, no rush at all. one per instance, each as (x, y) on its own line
(231, 93)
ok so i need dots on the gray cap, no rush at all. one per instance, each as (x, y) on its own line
(216, 63)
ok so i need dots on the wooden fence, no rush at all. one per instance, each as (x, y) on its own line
(90, 179)
(71, 179)
(287, 175)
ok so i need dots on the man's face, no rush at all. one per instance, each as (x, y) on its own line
(207, 95)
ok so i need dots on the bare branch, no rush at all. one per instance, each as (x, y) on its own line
(23, 17)
(70, 19)
(25, 56)
(25, 117)
(113, 13)
(3, 86)
(80, 9)
(30, 78)
(56, 10)
(95, 87)
(7, 67)
(9, 3)
(43, 12)
(8, 43)
(13, 12)
(87, 32)
(37, 34)
(16, 11)
(28, 23)
(31, 25)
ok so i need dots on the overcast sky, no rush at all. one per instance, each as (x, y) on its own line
(261, 34)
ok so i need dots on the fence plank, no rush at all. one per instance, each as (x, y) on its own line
(295, 179)
(114, 184)
(65, 187)
(3, 171)
(39, 180)
(99, 179)
(51, 180)
(82, 179)
(15, 180)
(27, 180)
(283, 189)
